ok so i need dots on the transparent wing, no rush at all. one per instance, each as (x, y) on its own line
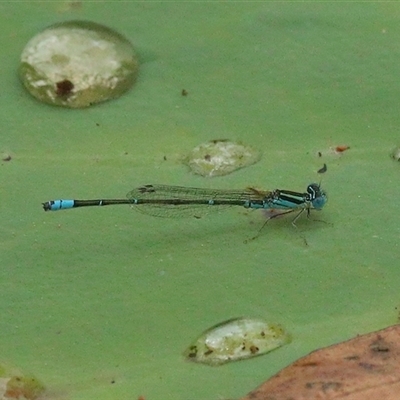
(179, 201)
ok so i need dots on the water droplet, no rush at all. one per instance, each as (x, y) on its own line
(221, 157)
(236, 339)
(15, 385)
(78, 63)
(395, 154)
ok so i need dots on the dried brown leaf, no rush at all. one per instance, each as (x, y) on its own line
(365, 367)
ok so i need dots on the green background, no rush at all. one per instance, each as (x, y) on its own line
(99, 303)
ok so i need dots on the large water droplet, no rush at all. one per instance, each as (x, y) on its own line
(78, 63)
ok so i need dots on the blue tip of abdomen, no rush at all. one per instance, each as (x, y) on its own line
(55, 205)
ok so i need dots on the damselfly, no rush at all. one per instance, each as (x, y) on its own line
(170, 201)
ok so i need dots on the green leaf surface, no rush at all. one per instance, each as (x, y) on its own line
(99, 303)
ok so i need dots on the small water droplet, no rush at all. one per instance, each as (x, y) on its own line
(221, 157)
(78, 63)
(395, 154)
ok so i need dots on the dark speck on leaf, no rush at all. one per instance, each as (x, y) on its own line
(218, 140)
(323, 169)
(254, 349)
(64, 88)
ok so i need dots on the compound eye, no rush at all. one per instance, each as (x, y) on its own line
(313, 190)
(319, 202)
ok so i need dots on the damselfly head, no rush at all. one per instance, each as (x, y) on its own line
(318, 197)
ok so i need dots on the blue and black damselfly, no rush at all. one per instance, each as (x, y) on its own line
(172, 201)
